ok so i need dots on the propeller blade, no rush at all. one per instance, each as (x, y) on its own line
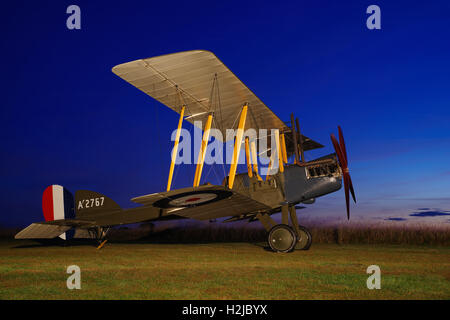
(344, 153)
(346, 187)
(337, 148)
(351, 188)
(341, 153)
(342, 144)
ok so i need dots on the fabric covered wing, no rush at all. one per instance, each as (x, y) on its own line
(308, 143)
(235, 205)
(203, 203)
(190, 74)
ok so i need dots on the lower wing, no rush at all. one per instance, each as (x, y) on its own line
(202, 203)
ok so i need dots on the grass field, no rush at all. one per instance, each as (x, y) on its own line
(140, 270)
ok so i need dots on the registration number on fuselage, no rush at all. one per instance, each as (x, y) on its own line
(91, 203)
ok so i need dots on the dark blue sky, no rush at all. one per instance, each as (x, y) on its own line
(67, 119)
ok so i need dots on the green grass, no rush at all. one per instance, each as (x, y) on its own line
(140, 270)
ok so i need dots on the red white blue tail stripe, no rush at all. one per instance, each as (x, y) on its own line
(57, 204)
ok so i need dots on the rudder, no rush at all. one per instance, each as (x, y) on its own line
(57, 204)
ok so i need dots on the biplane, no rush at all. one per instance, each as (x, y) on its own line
(185, 82)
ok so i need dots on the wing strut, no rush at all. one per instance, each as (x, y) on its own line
(202, 152)
(300, 141)
(278, 145)
(275, 154)
(294, 138)
(237, 146)
(175, 149)
(269, 168)
(255, 159)
(283, 148)
(248, 159)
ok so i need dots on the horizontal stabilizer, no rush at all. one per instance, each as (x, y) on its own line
(72, 223)
(41, 231)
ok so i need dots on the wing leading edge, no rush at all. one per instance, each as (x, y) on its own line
(187, 78)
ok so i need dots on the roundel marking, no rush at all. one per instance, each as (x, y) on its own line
(57, 203)
(193, 199)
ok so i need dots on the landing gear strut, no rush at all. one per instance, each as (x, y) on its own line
(282, 237)
(99, 233)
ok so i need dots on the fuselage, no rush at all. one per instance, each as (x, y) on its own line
(296, 184)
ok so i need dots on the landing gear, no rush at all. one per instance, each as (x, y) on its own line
(304, 239)
(99, 233)
(282, 237)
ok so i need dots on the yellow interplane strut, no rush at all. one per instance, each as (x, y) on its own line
(269, 168)
(275, 155)
(283, 148)
(277, 143)
(202, 152)
(247, 158)
(255, 159)
(175, 149)
(237, 146)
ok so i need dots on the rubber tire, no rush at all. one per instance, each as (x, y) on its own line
(289, 232)
(304, 245)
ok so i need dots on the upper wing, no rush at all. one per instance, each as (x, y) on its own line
(191, 75)
(308, 143)
(203, 202)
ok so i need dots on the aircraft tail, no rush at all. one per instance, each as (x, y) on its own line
(58, 204)
(89, 203)
(62, 214)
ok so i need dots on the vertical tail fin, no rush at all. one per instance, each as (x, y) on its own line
(57, 203)
(89, 203)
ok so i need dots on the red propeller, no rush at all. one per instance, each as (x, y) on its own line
(343, 162)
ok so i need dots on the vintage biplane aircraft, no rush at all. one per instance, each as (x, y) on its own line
(185, 82)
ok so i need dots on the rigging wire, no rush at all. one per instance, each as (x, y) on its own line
(176, 155)
(213, 106)
(158, 134)
(191, 133)
(218, 106)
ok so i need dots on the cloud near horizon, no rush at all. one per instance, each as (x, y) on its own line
(395, 219)
(427, 212)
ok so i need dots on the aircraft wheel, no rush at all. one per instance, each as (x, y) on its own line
(282, 238)
(304, 239)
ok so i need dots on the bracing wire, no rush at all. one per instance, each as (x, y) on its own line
(176, 167)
